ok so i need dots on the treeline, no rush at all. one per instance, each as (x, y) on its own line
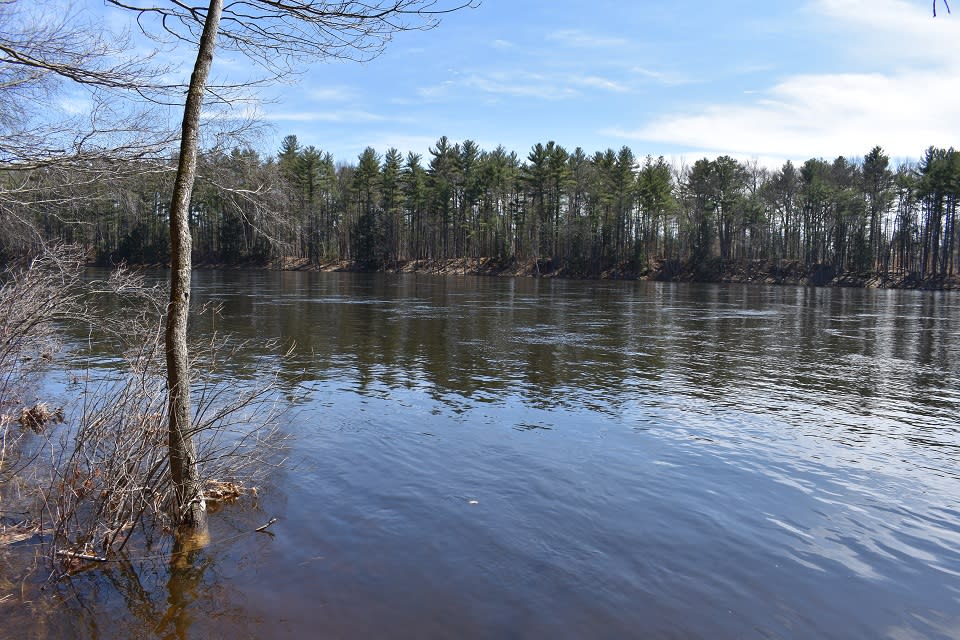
(553, 207)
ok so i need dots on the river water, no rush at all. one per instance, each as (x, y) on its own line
(520, 458)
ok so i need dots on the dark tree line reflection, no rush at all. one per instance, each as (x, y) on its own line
(551, 343)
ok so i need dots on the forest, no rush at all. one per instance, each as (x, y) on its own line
(567, 211)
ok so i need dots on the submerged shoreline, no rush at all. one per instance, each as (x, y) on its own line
(762, 272)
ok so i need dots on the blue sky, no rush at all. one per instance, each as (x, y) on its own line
(684, 79)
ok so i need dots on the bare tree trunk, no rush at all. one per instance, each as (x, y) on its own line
(189, 510)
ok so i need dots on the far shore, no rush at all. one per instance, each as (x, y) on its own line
(716, 271)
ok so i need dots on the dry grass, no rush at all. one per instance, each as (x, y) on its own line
(218, 491)
(18, 532)
(37, 417)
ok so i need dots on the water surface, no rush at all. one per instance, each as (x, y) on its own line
(499, 458)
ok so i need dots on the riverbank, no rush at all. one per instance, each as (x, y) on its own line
(739, 271)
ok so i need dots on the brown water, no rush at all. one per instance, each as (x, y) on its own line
(495, 458)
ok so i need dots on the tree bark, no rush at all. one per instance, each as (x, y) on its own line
(189, 509)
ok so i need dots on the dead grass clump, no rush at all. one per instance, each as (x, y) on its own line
(37, 417)
(19, 532)
(217, 491)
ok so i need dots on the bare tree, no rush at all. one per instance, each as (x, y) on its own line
(274, 34)
(108, 474)
(73, 112)
(43, 52)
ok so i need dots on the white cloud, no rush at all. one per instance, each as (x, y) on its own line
(903, 107)
(829, 115)
(75, 105)
(894, 31)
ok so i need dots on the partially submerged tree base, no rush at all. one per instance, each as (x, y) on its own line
(190, 538)
(116, 479)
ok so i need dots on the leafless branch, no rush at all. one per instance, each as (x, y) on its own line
(276, 33)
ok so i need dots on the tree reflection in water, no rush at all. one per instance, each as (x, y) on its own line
(173, 595)
(187, 566)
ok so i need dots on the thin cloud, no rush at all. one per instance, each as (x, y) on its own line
(747, 69)
(331, 94)
(663, 77)
(521, 85)
(436, 91)
(596, 82)
(502, 84)
(578, 38)
(323, 116)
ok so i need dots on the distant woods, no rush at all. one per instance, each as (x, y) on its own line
(583, 213)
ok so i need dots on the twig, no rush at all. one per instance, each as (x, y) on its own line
(81, 556)
(264, 527)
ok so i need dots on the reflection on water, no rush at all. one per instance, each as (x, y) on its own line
(535, 458)
(559, 344)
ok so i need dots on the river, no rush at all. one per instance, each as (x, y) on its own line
(522, 458)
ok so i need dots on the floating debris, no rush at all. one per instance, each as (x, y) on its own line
(81, 556)
(264, 527)
(38, 416)
(219, 491)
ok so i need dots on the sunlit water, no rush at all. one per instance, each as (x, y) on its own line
(496, 458)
